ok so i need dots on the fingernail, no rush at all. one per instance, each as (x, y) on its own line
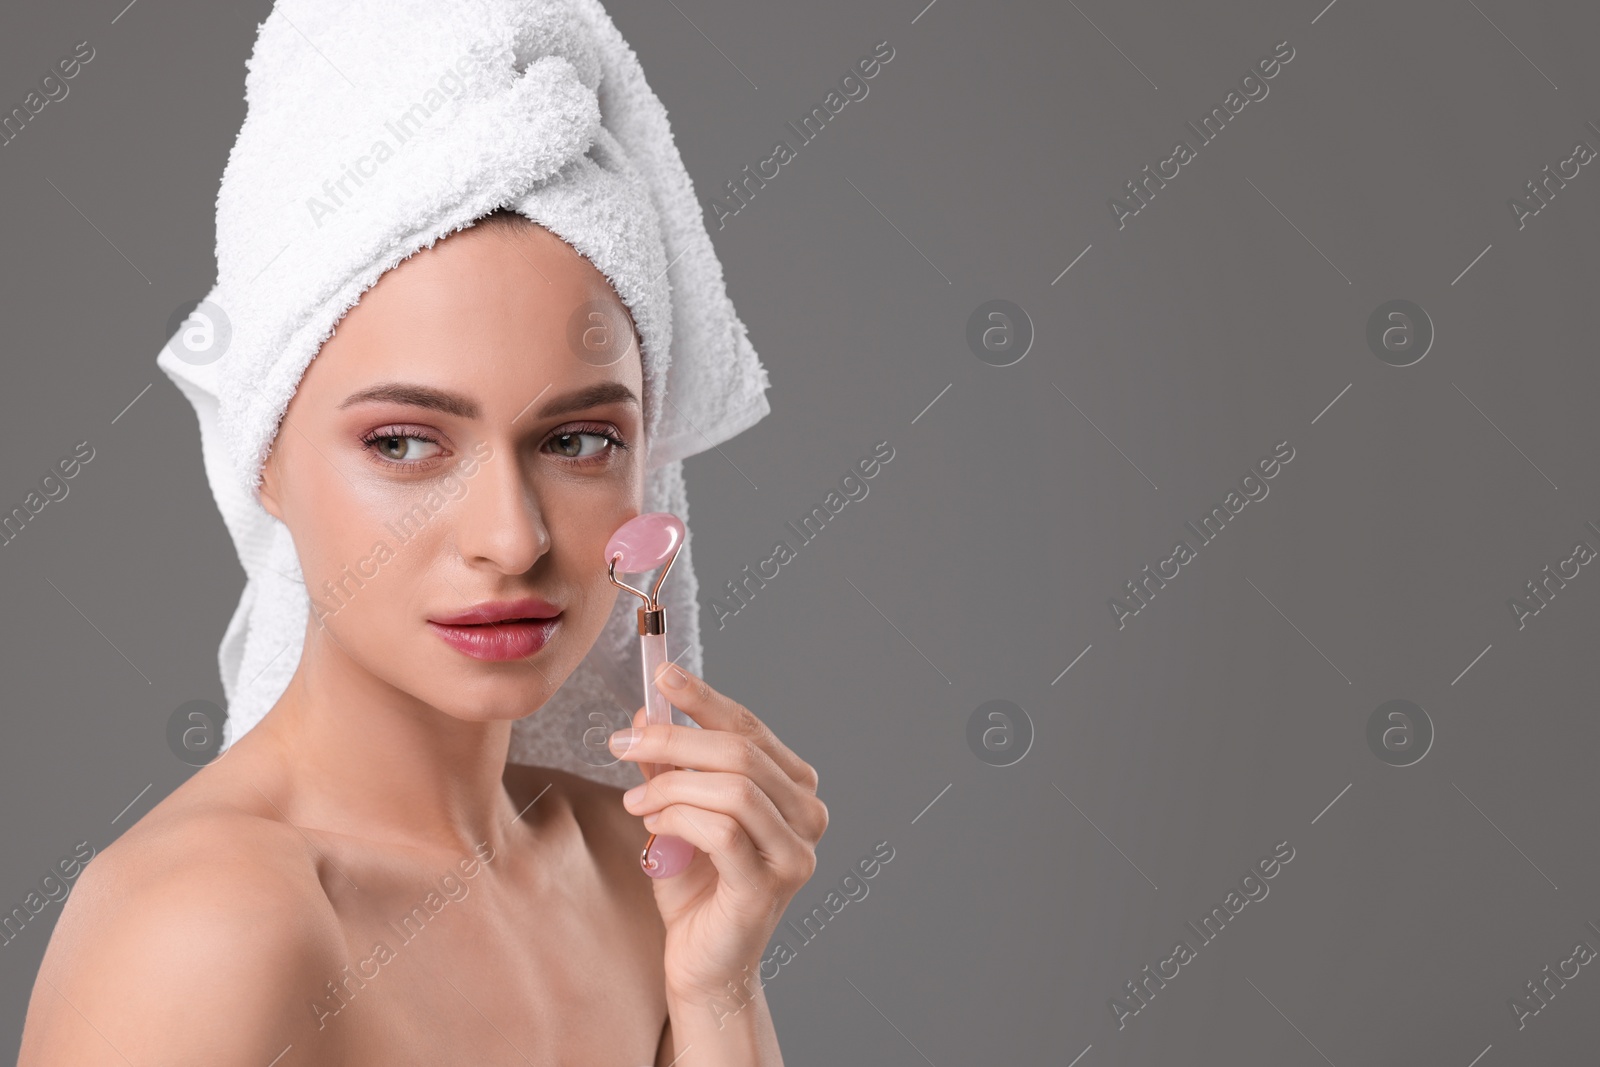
(623, 740)
(634, 795)
(673, 677)
(652, 818)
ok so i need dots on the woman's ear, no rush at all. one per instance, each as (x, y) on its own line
(268, 492)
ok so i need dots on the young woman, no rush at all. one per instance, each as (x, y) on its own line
(362, 878)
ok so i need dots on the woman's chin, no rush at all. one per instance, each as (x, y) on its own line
(471, 689)
(500, 699)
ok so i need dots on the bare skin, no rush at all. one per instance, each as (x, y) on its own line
(362, 877)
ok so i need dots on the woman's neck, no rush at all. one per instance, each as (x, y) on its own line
(372, 761)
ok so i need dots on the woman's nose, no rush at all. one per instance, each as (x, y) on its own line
(499, 521)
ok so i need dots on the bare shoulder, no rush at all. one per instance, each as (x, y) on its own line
(197, 937)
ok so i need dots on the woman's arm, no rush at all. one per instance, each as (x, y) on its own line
(749, 805)
(717, 1033)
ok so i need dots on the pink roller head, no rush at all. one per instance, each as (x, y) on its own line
(665, 856)
(645, 542)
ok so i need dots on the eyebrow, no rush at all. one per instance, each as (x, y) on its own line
(589, 397)
(417, 396)
(422, 396)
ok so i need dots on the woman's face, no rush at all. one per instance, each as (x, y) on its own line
(469, 437)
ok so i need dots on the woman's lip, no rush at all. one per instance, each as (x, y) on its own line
(501, 611)
(510, 639)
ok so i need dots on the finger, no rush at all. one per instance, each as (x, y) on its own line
(735, 856)
(649, 770)
(730, 794)
(707, 750)
(714, 711)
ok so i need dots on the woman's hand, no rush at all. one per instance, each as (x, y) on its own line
(750, 809)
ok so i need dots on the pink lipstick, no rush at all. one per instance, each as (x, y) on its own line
(499, 630)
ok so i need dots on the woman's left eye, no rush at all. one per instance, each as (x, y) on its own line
(571, 445)
(400, 448)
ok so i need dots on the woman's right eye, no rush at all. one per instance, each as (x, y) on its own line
(403, 448)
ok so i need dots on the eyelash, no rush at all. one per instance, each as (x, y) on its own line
(388, 433)
(391, 433)
(603, 432)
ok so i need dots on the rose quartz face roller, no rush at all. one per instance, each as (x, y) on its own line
(642, 544)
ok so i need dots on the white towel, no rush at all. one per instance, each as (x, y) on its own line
(375, 127)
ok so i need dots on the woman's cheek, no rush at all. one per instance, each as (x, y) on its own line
(356, 557)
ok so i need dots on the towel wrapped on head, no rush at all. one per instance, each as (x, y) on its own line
(374, 128)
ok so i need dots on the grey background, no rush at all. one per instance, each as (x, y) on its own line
(1224, 318)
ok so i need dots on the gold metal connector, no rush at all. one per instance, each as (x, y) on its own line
(652, 617)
